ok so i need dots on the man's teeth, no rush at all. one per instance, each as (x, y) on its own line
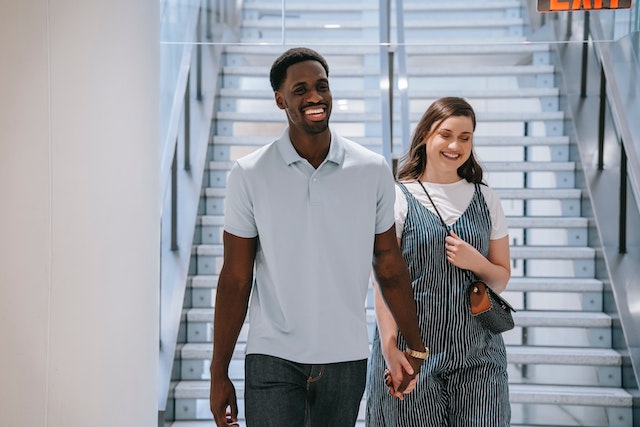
(314, 111)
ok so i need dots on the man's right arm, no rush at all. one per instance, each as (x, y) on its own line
(232, 300)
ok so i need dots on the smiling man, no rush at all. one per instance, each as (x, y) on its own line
(304, 218)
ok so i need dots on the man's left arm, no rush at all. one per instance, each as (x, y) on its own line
(394, 283)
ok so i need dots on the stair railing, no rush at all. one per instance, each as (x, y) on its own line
(389, 50)
(615, 59)
(192, 35)
(620, 96)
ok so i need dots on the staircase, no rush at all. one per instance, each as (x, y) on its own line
(562, 368)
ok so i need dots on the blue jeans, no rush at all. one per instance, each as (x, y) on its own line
(282, 393)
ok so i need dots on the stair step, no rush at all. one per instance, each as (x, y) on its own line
(547, 222)
(569, 319)
(203, 281)
(344, 71)
(409, 7)
(330, 51)
(210, 220)
(292, 23)
(348, 117)
(516, 284)
(549, 284)
(503, 193)
(563, 356)
(489, 141)
(529, 166)
(518, 393)
(538, 193)
(517, 252)
(551, 252)
(489, 166)
(416, 94)
(515, 354)
(559, 395)
(512, 221)
(522, 318)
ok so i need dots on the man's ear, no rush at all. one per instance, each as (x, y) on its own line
(279, 100)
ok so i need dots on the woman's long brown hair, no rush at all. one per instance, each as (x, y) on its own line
(414, 162)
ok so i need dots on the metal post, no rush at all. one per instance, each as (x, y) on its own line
(187, 125)
(585, 55)
(602, 118)
(384, 10)
(174, 200)
(199, 58)
(622, 226)
(209, 33)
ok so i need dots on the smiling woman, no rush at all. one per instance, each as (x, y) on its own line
(440, 175)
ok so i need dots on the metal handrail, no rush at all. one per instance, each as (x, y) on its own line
(403, 78)
(187, 135)
(388, 52)
(179, 116)
(386, 78)
(617, 97)
(617, 102)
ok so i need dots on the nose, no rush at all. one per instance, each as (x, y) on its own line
(314, 96)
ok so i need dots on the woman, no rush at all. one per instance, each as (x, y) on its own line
(464, 381)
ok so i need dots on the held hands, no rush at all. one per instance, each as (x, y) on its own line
(223, 402)
(460, 253)
(401, 376)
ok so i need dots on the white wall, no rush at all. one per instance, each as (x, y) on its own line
(79, 212)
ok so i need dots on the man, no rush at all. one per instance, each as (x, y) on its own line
(309, 212)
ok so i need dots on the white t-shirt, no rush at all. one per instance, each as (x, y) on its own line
(452, 200)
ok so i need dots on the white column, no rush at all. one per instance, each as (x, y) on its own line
(79, 212)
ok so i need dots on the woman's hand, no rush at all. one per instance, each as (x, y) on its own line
(400, 377)
(495, 270)
(460, 253)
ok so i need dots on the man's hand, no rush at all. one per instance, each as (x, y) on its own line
(416, 363)
(223, 402)
(400, 377)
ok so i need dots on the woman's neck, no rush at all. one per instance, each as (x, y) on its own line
(439, 178)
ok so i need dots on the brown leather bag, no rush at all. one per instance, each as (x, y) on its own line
(493, 311)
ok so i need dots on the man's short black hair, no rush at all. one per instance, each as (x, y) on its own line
(289, 58)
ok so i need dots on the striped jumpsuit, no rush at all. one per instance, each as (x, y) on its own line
(464, 382)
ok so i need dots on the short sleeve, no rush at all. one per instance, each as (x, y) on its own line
(239, 217)
(386, 199)
(400, 209)
(499, 227)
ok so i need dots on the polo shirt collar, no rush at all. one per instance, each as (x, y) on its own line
(290, 155)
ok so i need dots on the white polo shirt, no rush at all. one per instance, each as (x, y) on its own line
(315, 230)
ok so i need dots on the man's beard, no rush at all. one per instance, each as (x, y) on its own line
(316, 127)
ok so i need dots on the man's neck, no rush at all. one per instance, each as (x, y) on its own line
(313, 148)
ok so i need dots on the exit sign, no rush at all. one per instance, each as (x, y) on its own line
(570, 5)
